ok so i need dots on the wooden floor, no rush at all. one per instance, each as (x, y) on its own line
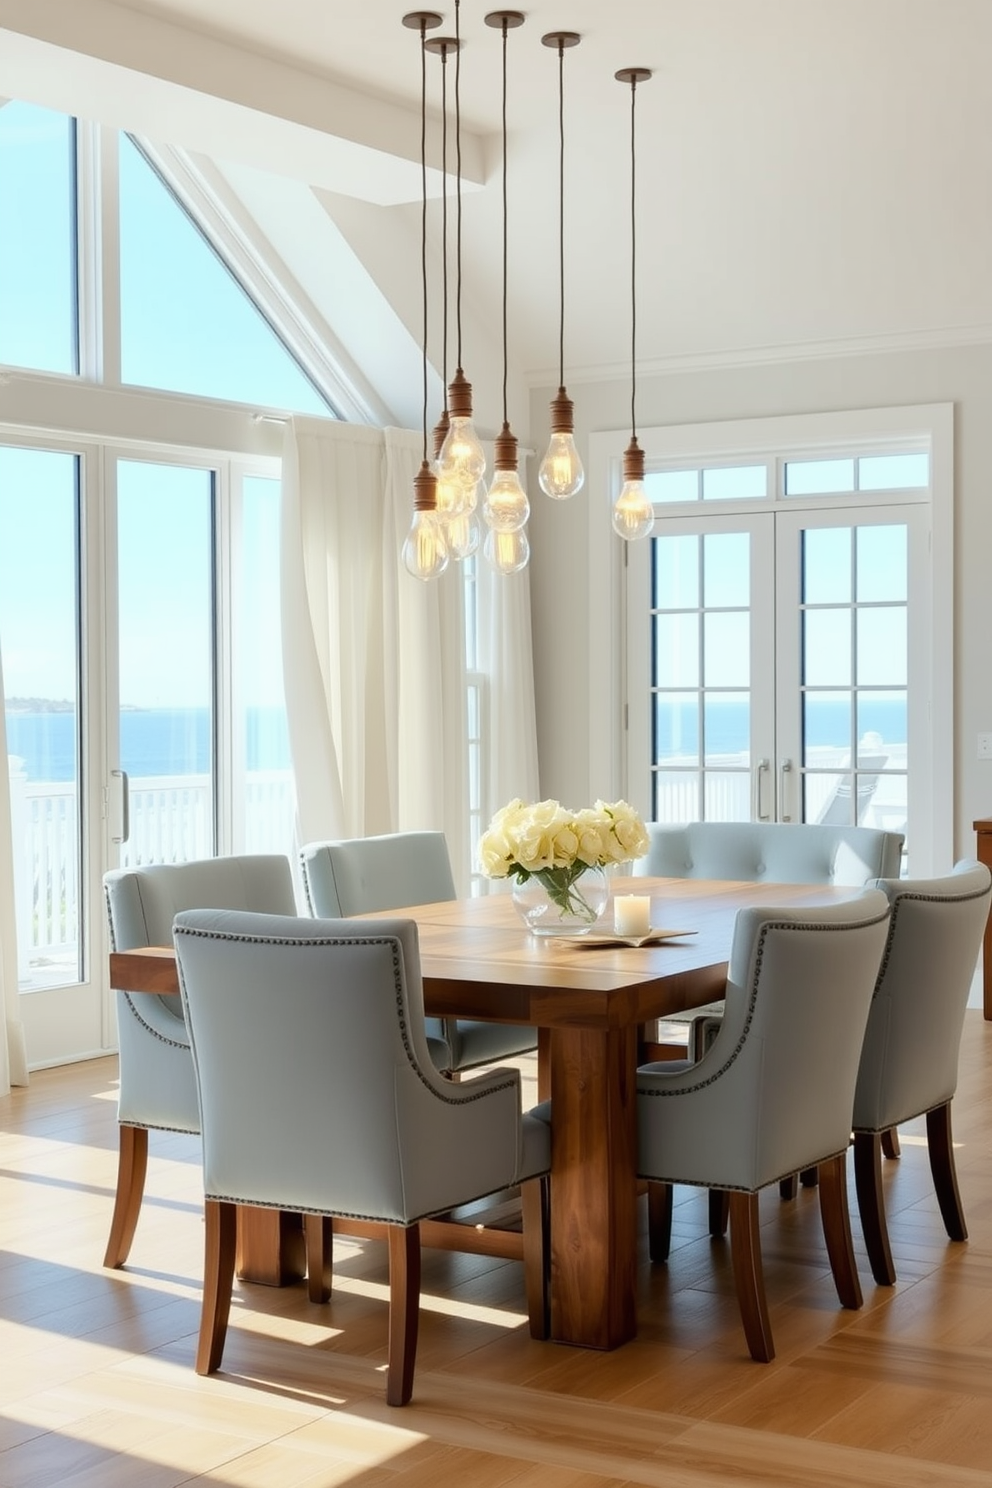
(96, 1368)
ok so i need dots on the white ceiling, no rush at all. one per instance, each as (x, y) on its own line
(811, 173)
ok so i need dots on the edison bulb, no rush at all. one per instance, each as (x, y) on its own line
(452, 495)
(508, 552)
(633, 514)
(506, 507)
(425, 552)
(462, 460)
(462, 534)
(561, 473)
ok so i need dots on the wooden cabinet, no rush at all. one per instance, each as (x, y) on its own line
(983, 833)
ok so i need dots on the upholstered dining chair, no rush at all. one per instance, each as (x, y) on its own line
(909, 1064)
(361, 874)
(157, 1088)
(765, 852)
(358, 1123)
(750, 1111)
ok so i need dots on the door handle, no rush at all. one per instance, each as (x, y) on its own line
(784, 773)
(760, 770)
(125, 814)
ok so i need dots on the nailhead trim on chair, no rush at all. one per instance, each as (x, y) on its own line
(661, 1094)
(169, 1043)
(389, 940)
(918, 899)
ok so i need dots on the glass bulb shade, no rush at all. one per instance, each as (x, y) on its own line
(462, 458)
(561, 473)
(453, 496)
(508, 552)
(425, 552)
(463, 536)
(506, 507)
(633, 514)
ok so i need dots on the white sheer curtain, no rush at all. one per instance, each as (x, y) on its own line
(13, 1056)
(374, 660)
(506, 655)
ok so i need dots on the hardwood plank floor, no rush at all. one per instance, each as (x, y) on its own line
(97, 1388)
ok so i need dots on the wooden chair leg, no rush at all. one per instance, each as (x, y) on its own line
(719, 1212)
(789, 1187)
(318, 1231)
(745, 1250)
(660, 1197)
(890, 1143)
(537, 1254)
(945, 1178)
(404, 1311)
(836, 1220)
(132, 1163)
(871, 1205)
(218, 1278)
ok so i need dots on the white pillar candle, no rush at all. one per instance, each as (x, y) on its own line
(632, 914)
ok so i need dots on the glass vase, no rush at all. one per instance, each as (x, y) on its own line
(562, 901)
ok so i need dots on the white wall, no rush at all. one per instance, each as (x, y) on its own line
(560, 532)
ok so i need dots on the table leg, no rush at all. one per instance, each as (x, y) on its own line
(593, 1186)
(271, 1248)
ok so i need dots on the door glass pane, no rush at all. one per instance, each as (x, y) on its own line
(676, 728)
(882, 569)
(165, 581)
(727, 728)
(186, 323)
(827, 565)
(37, 246)
(39, 637)
(726, 649)
(677, 650)
(882, 656)
(726, 570)
(676, 573)
(259, 702)
(676, 796)
(827, 648)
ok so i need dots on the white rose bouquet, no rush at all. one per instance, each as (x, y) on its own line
(548, 842)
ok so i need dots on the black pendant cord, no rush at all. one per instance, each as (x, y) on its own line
(633, 266)
(444, 221)
(505, 235)
(423, 214)
(561, 214)
(458, 179)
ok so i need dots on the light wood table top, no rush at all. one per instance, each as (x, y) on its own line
(478, 961)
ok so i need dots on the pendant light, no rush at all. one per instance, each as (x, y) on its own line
(506, 507)
(462, 459)
(633, 514)
(561, 473)
(425, 554)
(455, 504)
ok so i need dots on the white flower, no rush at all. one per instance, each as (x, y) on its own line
(534, 839)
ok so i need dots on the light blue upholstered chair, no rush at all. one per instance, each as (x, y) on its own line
(766, 852)
(909, 1064)
(357, 1121)
(157, 1088)
(751, 1112)
(362, 874)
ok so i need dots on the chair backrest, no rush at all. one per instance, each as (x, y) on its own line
(143, 902)
(362, 874)
(772, 852)
(910, 1059)
(315, 1083)
(779, 1078)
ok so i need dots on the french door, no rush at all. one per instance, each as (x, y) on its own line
(142, 683)
(776, 666)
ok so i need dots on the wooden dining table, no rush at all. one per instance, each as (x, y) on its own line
(592, 1000)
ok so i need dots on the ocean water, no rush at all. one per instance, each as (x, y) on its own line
(154, 741)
